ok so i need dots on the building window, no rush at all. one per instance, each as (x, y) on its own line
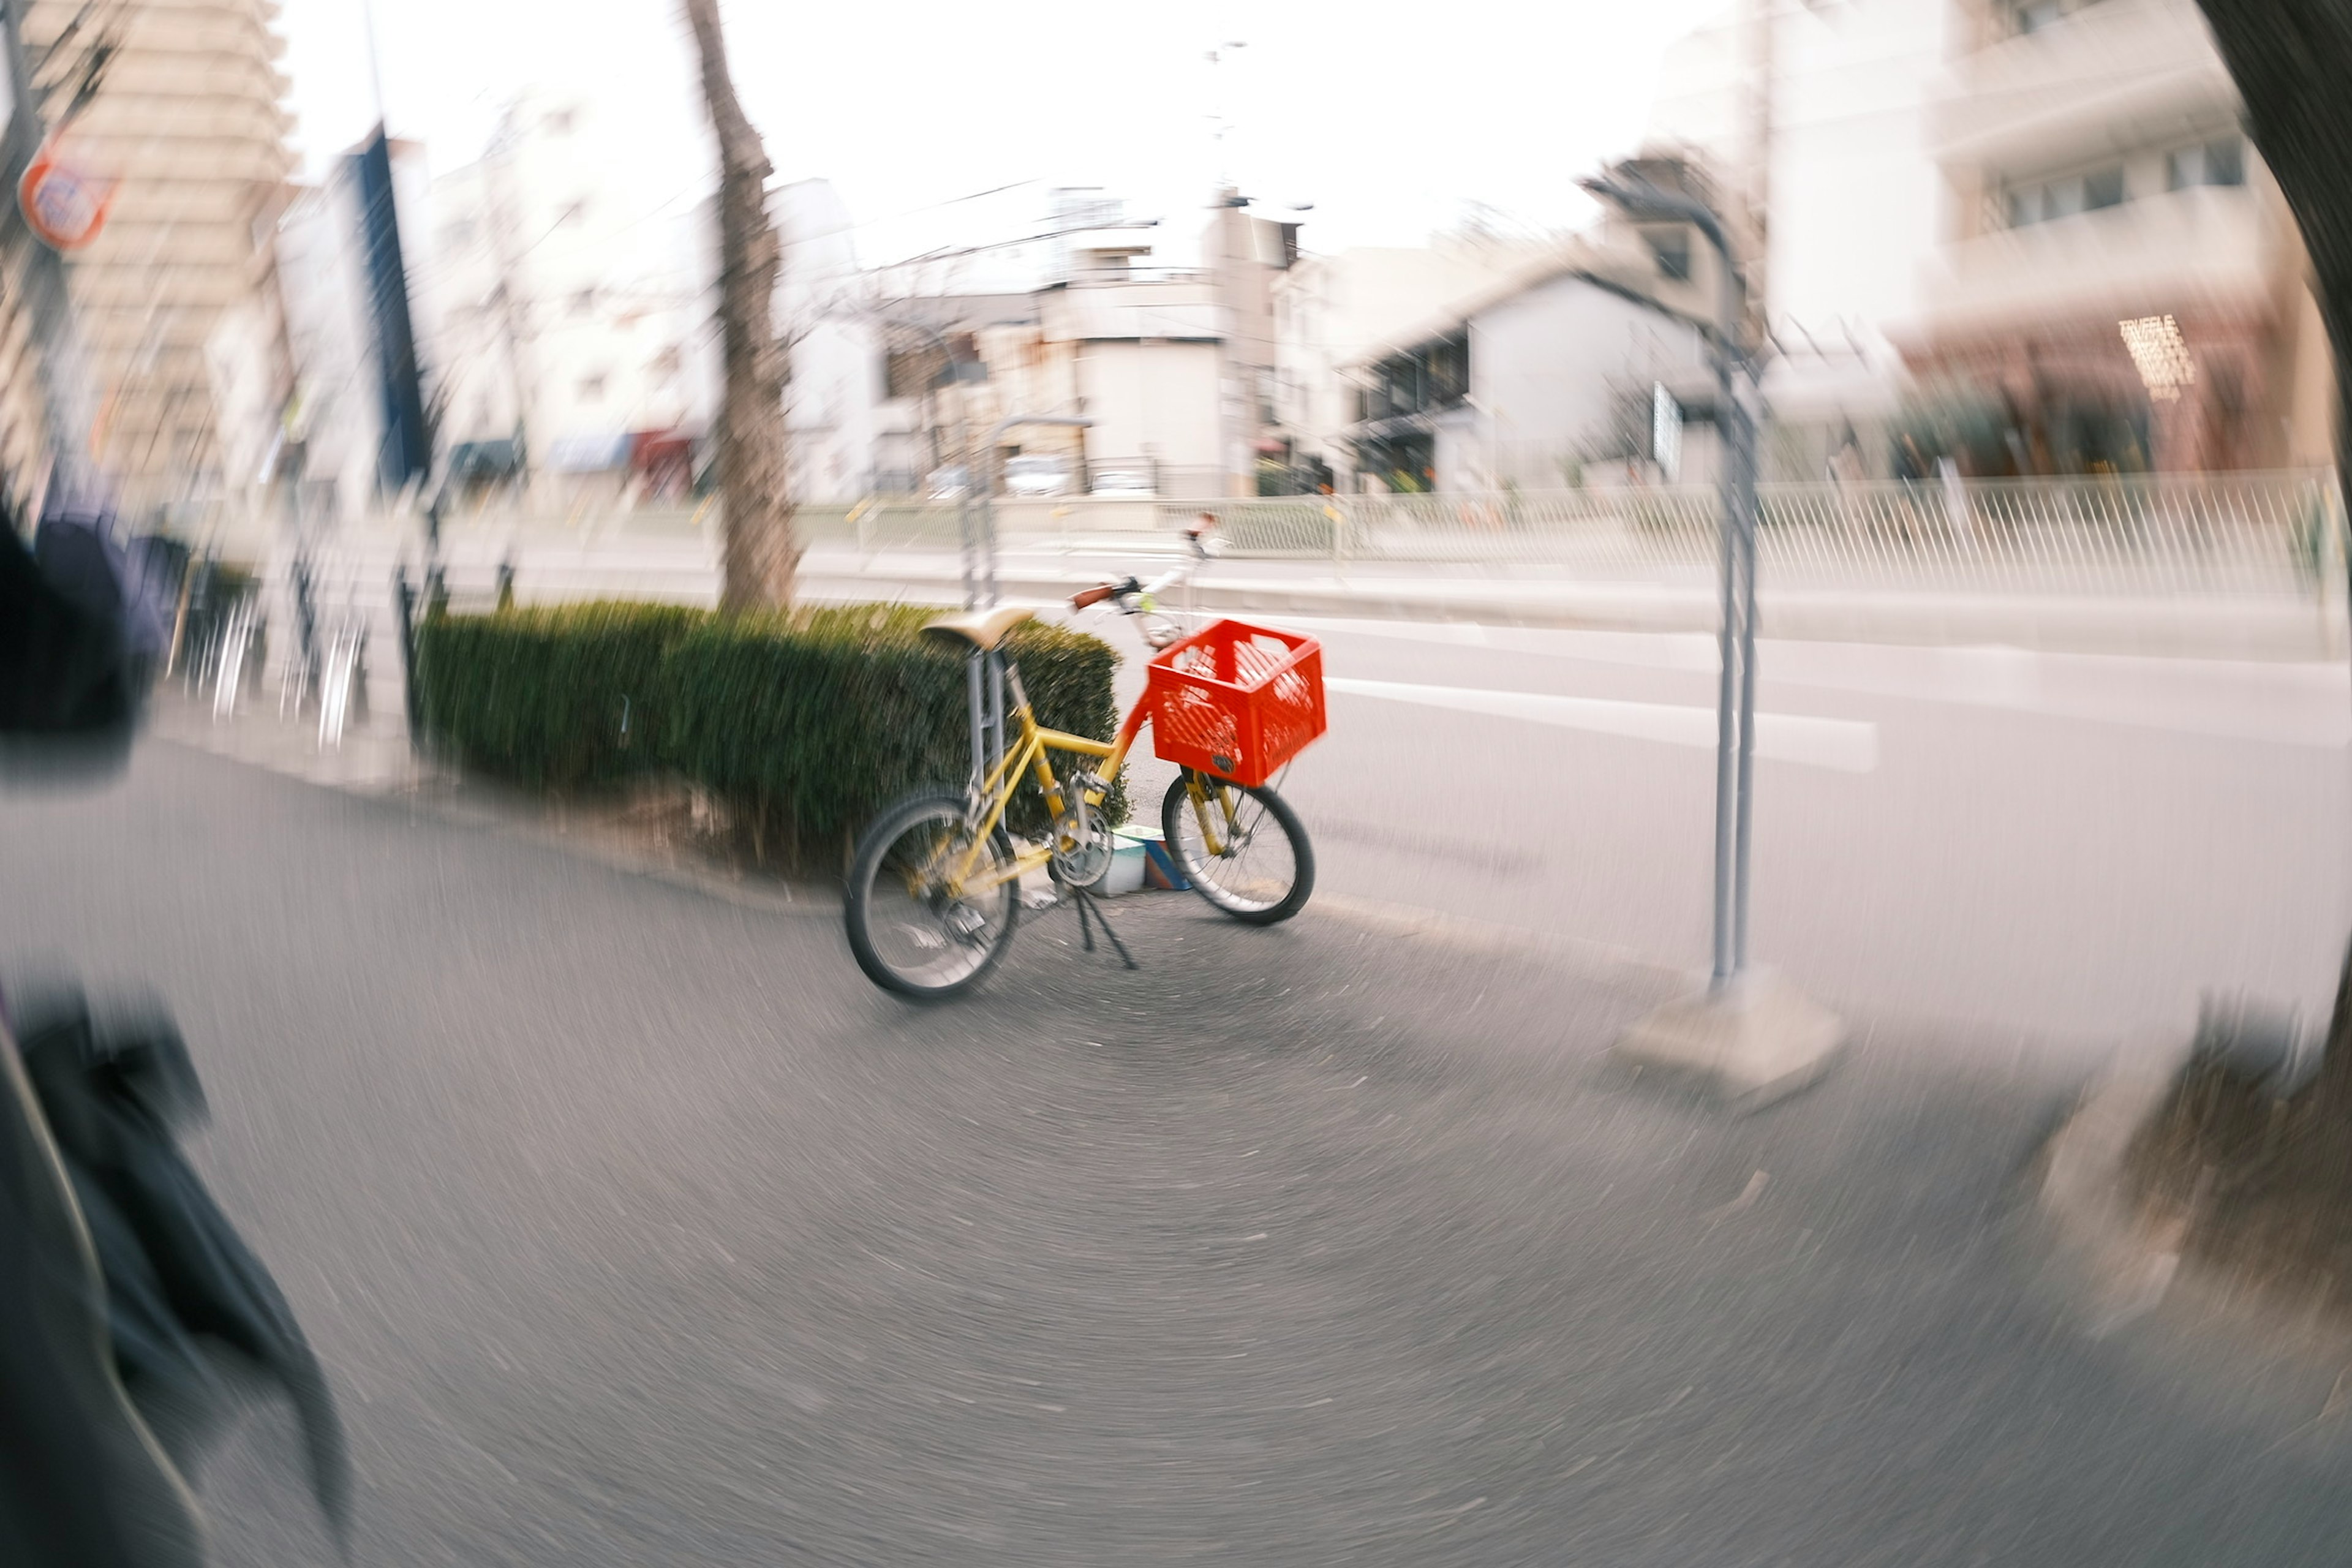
(2048, 200)
(905, 373)
(2218, 163)
(591, 389)
(2018, 18)
(1673, 252)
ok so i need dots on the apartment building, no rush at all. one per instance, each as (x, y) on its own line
(2121, 286)
(1173, 367)
(573, 311)
(187, 120)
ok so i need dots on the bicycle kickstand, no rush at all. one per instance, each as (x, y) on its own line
(1087, 935)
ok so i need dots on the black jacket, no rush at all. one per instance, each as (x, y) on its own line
(186, 1298)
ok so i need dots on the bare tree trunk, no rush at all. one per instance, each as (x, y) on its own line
(2292, 60)
(758, 556)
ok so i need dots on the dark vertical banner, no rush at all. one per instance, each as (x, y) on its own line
(407, 451)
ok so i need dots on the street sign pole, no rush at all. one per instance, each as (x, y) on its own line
(1748, 1032)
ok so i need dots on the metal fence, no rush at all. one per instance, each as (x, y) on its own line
(2250, 534)
(2261, 534)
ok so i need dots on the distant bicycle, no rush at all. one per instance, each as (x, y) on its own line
(934, 886)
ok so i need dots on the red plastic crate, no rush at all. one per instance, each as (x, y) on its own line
(1235, 699)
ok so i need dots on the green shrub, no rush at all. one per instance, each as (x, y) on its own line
(805, 723)
(813, 723)
(550, 697)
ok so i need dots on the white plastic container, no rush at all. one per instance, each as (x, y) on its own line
(1126, 873)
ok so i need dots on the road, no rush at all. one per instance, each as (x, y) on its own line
(2072, 843)
(2075, 845)
(636, 1228)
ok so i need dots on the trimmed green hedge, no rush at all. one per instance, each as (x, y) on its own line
(550, 697)
(806, 724)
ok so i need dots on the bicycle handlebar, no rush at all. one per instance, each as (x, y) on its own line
(1139, 592)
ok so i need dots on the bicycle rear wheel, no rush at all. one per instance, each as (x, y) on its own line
(911, 931)
(1241, 846)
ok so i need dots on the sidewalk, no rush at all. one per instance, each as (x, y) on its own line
(637, 1228)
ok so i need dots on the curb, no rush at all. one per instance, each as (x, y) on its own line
(1417, 922)
(2259, 632)
(2084, 1196)
(435, 793)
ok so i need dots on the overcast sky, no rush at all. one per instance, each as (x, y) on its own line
(1390, 118)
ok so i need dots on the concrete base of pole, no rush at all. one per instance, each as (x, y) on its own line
(1749, 1042)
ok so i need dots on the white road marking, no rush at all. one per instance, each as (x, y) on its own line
(1846, 745)
(2283, 702)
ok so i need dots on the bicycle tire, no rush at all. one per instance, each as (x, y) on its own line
(1180, 831)
(864, 920)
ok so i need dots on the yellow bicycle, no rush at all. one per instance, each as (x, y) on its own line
(934, 886)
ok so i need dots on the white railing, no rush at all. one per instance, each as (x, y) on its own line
(2261, 533)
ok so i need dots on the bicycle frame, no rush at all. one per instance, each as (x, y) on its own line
(1027, 756)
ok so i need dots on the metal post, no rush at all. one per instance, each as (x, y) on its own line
(995, 710)
(967, 530)
(1743, 520)
(976, 708)
(986, 513)
(404, 610)
(1726, 725)
(1751, 1034)
(1736, 529)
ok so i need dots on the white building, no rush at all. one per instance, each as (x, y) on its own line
(1835, 154)
(1147, 354)
(1545, 380)
(835, 394)
(1143, 353)
(189, 118)
(2120, 284)
(1329, 310)
(574, 309)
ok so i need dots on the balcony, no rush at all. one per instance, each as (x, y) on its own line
(2148, 256)
(1181, 306)
(2108, 78)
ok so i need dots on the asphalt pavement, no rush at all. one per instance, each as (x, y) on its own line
(636, 1228)
(2074, 846)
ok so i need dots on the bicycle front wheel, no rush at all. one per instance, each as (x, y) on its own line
(1240, 846)
(917, 924)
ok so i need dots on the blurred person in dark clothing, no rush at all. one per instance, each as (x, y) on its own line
(125, 1282)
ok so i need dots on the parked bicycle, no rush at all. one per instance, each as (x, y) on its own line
(934, 886)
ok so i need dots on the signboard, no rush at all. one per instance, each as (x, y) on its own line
(1665, 432)
(63, 203)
